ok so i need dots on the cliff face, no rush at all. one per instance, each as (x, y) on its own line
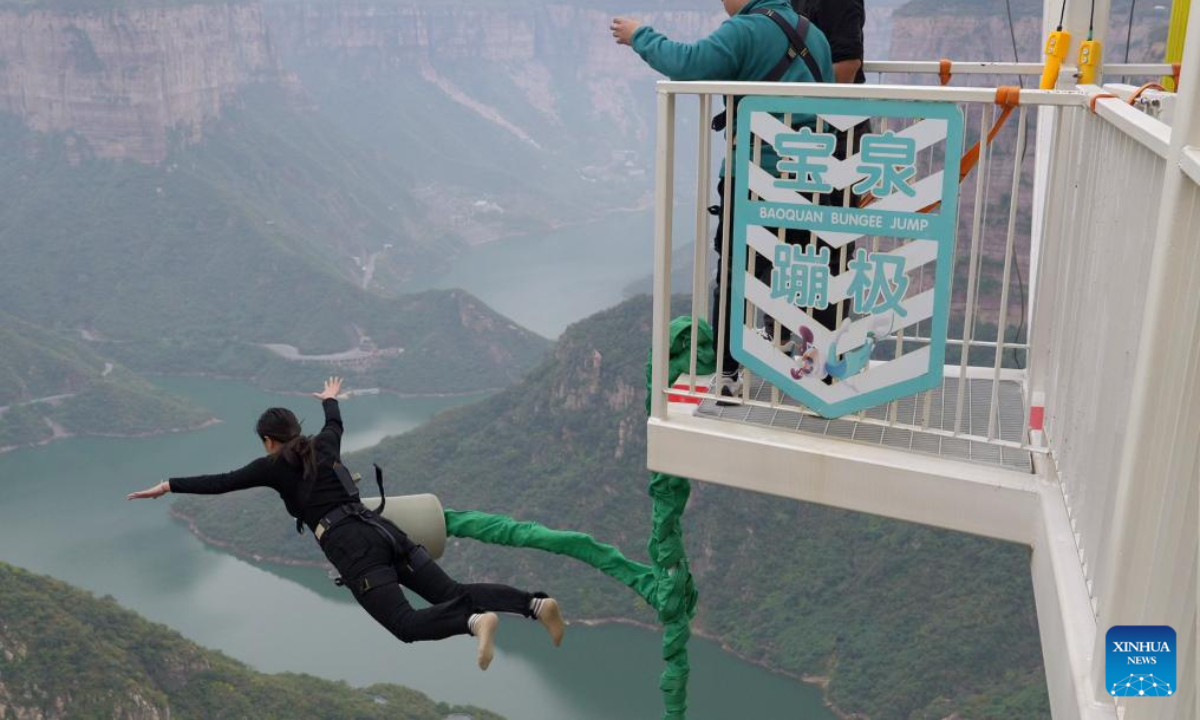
(130, 80)
(964, 37)
(978, 30)
(125, 80)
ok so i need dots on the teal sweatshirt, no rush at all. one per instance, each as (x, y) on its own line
(744, 48)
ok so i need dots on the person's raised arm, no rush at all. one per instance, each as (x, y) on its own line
(716, 57)
(333, 429)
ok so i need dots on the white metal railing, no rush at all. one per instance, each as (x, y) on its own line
(895, 67)
(1190, 164)
(987, 347)
(1106, 176)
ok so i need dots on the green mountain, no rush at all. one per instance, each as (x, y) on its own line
(53, 385)
(904, 621)
(198, 264)
(65, 653)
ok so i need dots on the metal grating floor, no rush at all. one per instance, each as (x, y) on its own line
(790, 415)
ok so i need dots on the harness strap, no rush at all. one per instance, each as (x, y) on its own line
(335, 517)
(384, 575)
(379, 482)
(797, 48)
(339, 515)
(345, 478)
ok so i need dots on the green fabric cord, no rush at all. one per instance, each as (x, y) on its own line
(503, 530)
(676, 591)
(680, 335)
(667, 586)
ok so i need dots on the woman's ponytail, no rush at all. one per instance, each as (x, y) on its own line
(281, 425)
(300, 451)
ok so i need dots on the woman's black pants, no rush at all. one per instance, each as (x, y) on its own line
(359, 550)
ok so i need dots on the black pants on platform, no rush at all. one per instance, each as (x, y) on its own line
(357, 549)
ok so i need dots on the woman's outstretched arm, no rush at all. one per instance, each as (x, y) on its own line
(256, 474)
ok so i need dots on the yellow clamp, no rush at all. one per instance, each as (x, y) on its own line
(1057, 46)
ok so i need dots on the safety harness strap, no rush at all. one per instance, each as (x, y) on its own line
(383, 575)
(347, 480)
(797, 48)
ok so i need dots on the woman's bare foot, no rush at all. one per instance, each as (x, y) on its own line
(551, 617)
(485, 631)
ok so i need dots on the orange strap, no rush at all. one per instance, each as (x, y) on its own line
(1007, 97)
(1175, 75)
(1098, 96)
(944, 71)
(1148, 86)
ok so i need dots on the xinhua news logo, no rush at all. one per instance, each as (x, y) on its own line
(1140, 661)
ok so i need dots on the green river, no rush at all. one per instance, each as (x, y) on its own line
(64, 515)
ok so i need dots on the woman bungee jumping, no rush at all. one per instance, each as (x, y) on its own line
(375, 558)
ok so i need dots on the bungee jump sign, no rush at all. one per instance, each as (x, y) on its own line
(842, 259)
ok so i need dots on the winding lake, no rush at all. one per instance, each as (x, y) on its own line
(64, 515)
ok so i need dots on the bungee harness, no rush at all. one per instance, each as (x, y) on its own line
(413, 556)
(796, 48)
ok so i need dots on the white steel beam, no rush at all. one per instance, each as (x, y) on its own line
(918, 488)
(1064, 609)
(664, 191)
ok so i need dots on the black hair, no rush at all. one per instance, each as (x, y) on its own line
(281, 425)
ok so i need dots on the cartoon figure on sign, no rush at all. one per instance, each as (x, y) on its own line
(811, 362)
(856, 361)
(804, 353)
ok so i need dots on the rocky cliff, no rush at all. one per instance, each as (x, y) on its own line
(128, 81)
(125, 80)
(979, 30)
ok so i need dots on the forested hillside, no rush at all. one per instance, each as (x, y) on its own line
(65, 653)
